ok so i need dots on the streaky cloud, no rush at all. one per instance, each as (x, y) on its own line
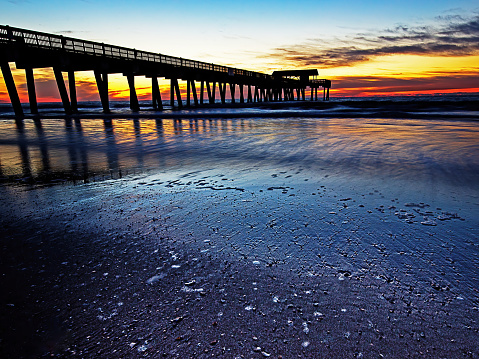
(70, 32)
(433, 83)
(454, 35)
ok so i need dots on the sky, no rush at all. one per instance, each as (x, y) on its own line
(367, 48)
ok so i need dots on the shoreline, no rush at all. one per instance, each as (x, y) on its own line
(416, 109)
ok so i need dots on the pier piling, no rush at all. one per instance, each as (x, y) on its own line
(63, 90)
(30, 50)
(11, 88)
(32, 96)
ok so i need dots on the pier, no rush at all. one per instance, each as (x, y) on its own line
(31, 49)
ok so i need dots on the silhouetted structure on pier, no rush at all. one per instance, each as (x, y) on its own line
(31, 49)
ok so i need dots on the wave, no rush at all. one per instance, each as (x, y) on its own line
(462, 106)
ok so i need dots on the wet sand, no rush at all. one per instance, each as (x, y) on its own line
(264, 240)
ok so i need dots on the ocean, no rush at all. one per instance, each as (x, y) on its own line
(396, 106)
(432, 136)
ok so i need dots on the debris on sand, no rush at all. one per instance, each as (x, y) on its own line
(156, 278)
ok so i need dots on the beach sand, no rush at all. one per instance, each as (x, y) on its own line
(250, 240)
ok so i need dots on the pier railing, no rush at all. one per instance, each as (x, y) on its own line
(32, 49)
(321, 82)
(76, 46)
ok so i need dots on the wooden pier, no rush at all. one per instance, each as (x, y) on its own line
(31, 49)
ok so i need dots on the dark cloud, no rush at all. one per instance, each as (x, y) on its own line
(362, 85)
(70, 32)
(453, 36)
(449, 81)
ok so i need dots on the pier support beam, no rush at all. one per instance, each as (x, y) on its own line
(63, 90)
(172, 94)
(102, 84)
(32, 96)
(190, 86)
(195, 95)
(222, 87)
(12, 90)
(175, 88)
(256, 94)
(241, 93)
(250, 95)
(155, 94)
(211, 92)
(73, 91)
(134, 104)
(232, 91)
(202, 90)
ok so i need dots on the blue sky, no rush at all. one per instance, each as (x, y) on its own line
(363, 40)
(202, 29)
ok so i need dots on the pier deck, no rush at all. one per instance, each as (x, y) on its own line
(32, 49)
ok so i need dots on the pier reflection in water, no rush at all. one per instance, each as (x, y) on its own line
(50, 151)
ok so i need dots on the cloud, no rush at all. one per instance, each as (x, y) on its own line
(434, 83)
(65, 32)
(453, 35)
(70, 32)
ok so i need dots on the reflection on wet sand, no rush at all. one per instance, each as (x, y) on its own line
(363, 229)
(81, 150)
(23, 149)
(43, 146)
(74, 152)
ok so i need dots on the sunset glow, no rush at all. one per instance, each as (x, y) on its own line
(428, 49)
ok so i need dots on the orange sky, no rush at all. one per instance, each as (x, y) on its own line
(367, 48)
(397, 75)
(384, 75)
